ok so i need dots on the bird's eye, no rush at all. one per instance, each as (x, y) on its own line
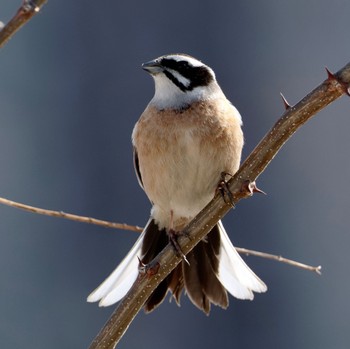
(183, 65)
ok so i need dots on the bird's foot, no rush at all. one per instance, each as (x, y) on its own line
(225, 191)
(173, 237)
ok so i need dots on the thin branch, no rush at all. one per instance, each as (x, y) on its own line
(281, 259)
(293, 118)
(123, 226)
(28, 9)
(70, 216)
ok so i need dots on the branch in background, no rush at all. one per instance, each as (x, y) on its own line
(294, 117)
(279, 258)
(69, 216)
(28, 9)
(106, 224)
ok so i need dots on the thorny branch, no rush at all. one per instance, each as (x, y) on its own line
(28, 9)
(294, 117)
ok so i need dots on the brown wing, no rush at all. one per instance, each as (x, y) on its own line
(137, 168)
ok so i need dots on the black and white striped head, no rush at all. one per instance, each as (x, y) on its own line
(180, 80)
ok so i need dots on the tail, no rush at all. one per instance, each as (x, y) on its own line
(214, 268)
(115, 287)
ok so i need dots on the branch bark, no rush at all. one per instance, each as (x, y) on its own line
(294, 117)
(28, 9)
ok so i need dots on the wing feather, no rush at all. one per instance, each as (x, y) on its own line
(137, 168)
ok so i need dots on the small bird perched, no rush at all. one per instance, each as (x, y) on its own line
(188, 135)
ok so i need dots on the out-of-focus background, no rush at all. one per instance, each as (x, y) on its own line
(71, 89)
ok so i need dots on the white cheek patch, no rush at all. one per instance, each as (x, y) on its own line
(179, 77)
(168, 95)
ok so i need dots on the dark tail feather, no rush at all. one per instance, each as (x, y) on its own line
(199, 278)
(153, 242)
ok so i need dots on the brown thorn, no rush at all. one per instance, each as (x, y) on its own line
(333, 77)
(250, 188)
(149, 269)
(257, 190)
(142, 266)
(285, 102)
(330, 75)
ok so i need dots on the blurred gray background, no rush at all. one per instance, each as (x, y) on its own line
(71, 89)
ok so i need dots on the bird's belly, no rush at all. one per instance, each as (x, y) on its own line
(181, 181)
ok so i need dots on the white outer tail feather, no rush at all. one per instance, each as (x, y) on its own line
(234, 274)
(116, 286)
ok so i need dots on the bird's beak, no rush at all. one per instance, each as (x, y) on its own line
(153, 67)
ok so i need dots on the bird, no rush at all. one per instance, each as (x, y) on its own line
(186, 138)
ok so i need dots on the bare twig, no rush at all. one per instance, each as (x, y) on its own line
(281, 259)
(70, 216)
(293, 118)
(123, 226)
(28, 9)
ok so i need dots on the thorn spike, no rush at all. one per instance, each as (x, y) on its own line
(333, 77)
(257, 190)
(250, 188)
(330, 75)
(142, 266)
(285, 102)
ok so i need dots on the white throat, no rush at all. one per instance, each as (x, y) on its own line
(168, 95)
